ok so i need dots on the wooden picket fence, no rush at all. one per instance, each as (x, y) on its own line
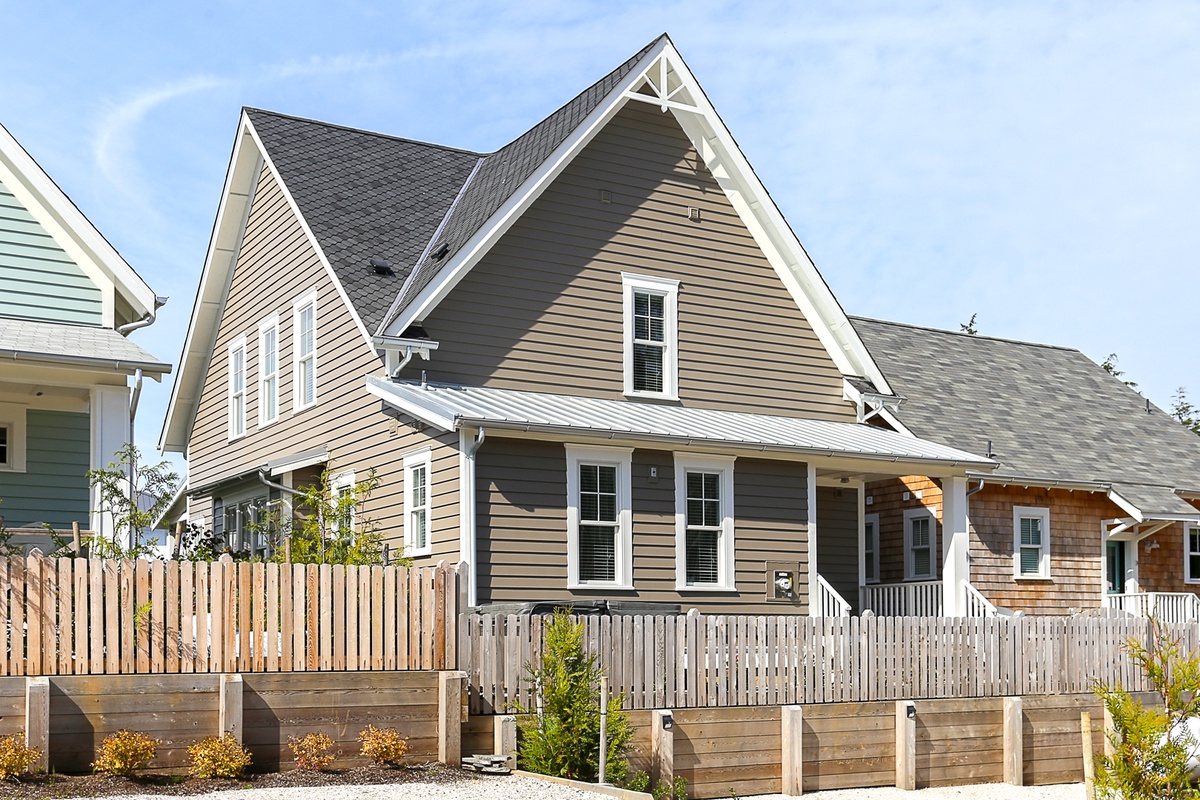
(706, 661)
(75, 616)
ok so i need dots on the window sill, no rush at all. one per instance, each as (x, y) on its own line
(709, 588)
(673, 398)
(426, 553)
(7, 468)
(1041, 578)
(593, 587)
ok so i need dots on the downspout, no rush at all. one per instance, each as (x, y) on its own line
(977, 489)
(145, 321)
(131, 476)
(467, 520)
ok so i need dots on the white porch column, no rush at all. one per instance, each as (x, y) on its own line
(110, 429)
(955, 545)
(814, 591)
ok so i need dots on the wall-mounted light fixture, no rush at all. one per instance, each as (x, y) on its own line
(668, 721)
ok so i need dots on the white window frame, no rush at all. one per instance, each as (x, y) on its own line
(1188, 529)
(339, 484)
(910, 573)
(1031, 512)
(12, 418)
(236, 419)
(871, 520)
(266, 413)
(415, 460)
(726, 566)
(669, 289)
(621, 458)
(298, 404)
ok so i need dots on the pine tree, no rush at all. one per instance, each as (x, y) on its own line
(1187, 414)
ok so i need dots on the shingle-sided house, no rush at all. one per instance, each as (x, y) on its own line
(593, 364)
(1094, 502)
(67, 302)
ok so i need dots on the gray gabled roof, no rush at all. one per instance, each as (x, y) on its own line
(74, 345)
(366, 194)
(1051, 413)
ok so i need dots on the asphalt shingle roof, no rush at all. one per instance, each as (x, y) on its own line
(1051, 413)
(21, 338)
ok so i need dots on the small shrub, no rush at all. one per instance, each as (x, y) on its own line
(15, 757)
(638, 781)
(383, 746)
(125, 751)
(313, 752)
(218, 757)
(676, 790)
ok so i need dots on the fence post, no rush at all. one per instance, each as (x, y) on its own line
(1109, 727)
(230, 717)
(662, 747)
(793, 750)
(37, 720)
(504, 735)
(450, 690)
(1014, 742)
(906, 745)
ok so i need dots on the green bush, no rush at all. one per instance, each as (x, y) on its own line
(564, 738)
(1151, 745)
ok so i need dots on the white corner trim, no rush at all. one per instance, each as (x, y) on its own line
(726, 567)
(622, 459)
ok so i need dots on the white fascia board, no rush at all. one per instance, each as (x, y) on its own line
(504, 217)
(430, 413)
(1126, 506)
(51, 207)
(224, 243)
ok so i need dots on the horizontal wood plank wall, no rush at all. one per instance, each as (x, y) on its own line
(12, 706)
(720, 748)
(960, 742)
(849, 745)
(175, 709)
(542, 311)
(1053, 740)
(276, 707)
(92, 616)
(705, 661)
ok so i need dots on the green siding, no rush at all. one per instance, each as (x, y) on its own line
(54, 487)
(38, 280)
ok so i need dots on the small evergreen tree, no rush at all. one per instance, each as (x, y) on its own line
(969, 326)
(563, 737)
(1152, 745)
(1182, 410)
(1109, 365)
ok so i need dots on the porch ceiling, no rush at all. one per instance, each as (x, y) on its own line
(457, 407)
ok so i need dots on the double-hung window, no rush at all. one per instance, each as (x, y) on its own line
(268, 370)
(871, 548)
(920, 544)
(1031, 542)
(344, 501)
(304, 351)
(704, 522)
(1191, 553)
(599, 517)
(237, 387)
(12, 437)
(417, 475)
(651, 336)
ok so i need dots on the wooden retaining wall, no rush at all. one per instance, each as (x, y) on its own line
(849, 745)
(962, 741)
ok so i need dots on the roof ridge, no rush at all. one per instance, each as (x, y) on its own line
(365, 131)
(964, 334)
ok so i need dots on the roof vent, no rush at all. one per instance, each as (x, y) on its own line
(381, 266)
(441, 252)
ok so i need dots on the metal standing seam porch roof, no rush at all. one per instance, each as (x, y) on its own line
(456, 407)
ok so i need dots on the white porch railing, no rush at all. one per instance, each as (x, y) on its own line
(975, 604)
(829, 602)
(912, 599)
(1163, 606)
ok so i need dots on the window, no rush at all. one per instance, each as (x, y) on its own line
(920, 544)
(1191, 545)
(12, 438)
(871, 548)
(237, 387)
(599, 517)
(341, 484)
(268, 370)
(248, 526)
(417, 474)
(704, 522)
(651, 336)
(304, 351)
(1031, 542)
(4, 445)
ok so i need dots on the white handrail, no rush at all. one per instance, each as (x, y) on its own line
(1163, 606)
(831, 604)
(975, 604)
(910, 599)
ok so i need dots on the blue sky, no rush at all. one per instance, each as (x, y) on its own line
(1034, 163)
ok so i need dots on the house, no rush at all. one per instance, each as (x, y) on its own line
(1095, 502)
(67, 304)
(594, 364)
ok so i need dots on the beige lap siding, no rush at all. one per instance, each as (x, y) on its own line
(276, 266)
(522, 528)
(542, 311)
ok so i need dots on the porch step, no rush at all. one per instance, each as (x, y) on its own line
(491, 764)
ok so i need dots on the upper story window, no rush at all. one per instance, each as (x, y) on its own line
(651, 336)
(237, 387)
(704, 522)
(1191, 553)
(920, 544)
(417, 474)
(1031, 542)
(599, 517)
(871, 548)
(304, 351)
(268, 370)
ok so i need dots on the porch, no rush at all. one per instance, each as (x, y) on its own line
(1171, 607)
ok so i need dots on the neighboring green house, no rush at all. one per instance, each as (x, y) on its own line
(67, 302)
